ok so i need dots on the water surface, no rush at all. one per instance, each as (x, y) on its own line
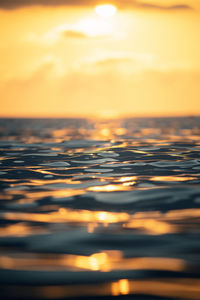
(100, 208)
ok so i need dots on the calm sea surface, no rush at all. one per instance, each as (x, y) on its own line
(100, 209)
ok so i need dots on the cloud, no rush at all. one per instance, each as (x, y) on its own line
(161, 7)
(52, 36)
(14, 4)
(125, 62)
(113, 61)
(74, 34)
(80, 92)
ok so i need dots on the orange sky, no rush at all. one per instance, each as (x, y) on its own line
(62, 59)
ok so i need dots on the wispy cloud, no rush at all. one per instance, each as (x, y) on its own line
(125, 61)
(131, 4)
(82, 92)
(74, 34)
(162, 7)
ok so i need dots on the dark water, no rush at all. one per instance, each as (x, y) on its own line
(100, 209)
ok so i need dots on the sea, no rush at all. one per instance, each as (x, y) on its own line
(100, 209)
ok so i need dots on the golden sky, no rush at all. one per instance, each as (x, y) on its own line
(61, 58)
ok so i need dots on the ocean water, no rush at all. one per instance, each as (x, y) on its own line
(100, 209)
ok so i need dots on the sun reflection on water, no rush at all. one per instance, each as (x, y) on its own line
(97, 204)
(155, 223)
(121, 287)
(102, 261)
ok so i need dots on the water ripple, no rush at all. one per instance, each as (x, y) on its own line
(100, 208)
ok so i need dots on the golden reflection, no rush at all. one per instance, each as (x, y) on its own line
(158, 223)
(172, 178)
(183, 214)
(113, 260)
(102, 261)
(53, 193)
(102, 216)
(105, 262)
(7, 262)
(152, 226)
(150, 222)
(64, 215)
(16, 230)
(108, 130)
(41, 182)
(5, 197)
(129, 183)
(120, 131)
(120, 287)
(91, 227)
(127, 178)
(187, 288)
(115, 289)
(105, 132)
(179, 288)
(110, 188)
(94, 217)
(124, 286)
(21, 229)
(95, 262)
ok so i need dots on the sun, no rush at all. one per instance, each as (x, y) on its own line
(105, 10)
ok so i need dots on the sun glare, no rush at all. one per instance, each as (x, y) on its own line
(105, 10)
(95, 27)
